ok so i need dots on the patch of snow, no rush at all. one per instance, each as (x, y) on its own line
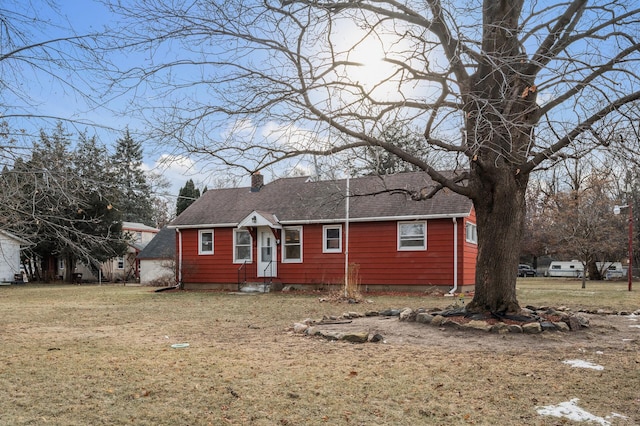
(578, 363)
(634, 326)
(599, 353)
(571, 411)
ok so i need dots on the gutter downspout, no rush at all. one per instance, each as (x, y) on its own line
(455, 257)
(179, 284)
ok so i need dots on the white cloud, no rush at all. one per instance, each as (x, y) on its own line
(176, 169)
(292, 137)
(242, 128)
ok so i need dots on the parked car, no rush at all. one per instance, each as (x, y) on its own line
(526, 271)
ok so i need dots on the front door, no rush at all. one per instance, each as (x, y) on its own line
(267, 257)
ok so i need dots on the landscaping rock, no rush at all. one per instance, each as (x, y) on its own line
(449, 322)
(500, 328)
(330, 335)
(561, 326)
(437, 320)
(583, 319)
(424, 318)
(300, 327)
(477, 325)
(355, 337)
(407, 315)
(547, 326)
(515, 328)
(375, 338)
(573, 323)
(532, 328)
(390, 312)
(526, 311)
(371, 314)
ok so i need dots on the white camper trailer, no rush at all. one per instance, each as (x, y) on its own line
(574, 269)
(611, 270)
(571, 268)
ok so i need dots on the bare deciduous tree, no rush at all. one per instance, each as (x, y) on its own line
(504, 86)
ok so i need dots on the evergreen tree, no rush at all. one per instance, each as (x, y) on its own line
(186, 196)
(61, 203)
(375, 160)
(98, 218)
(136, 200)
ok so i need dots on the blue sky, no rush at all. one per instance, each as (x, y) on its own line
(49, 97)
(55, 99)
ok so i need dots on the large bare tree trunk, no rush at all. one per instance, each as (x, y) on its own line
(500, 211)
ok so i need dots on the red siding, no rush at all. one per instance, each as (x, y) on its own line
(469, 254)
(372, 245)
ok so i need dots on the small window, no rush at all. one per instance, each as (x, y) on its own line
(60, 264)
(572, 266)
(412, 236)
(205, 242)
(292, 247)
(471, 233)
(120, 262)
(332, 237)
(138, 237)
(241, 246)
(555, 266)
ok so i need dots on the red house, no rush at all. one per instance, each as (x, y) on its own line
(300, 232)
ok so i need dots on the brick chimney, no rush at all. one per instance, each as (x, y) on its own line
(257, 182)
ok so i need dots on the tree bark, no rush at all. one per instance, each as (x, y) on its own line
(500, 213)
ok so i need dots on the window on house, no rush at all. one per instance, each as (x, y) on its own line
(60, 264)
(292, 247)
(241, 246)
(471, 233)
(332, 237)
(412, 236)
(120, 260)
(138, 237)
(205, 241)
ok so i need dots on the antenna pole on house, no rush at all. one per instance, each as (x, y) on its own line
(346, 237)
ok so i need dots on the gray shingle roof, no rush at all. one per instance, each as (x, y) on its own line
(302, 200)
(162, 246)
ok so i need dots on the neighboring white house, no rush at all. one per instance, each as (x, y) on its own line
(9, 256)
(126, 267)
(157, 259)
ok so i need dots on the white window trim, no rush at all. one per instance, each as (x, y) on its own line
(200, 233)
(413, 248)
(324, 239)
(473, 239)
(235, 252)
(120, 259)
(284, 245)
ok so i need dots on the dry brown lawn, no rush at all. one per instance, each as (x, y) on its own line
(102, 355)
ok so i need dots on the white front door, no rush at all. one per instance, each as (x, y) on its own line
(267, 255)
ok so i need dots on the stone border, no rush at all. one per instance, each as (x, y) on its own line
(533, 320)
